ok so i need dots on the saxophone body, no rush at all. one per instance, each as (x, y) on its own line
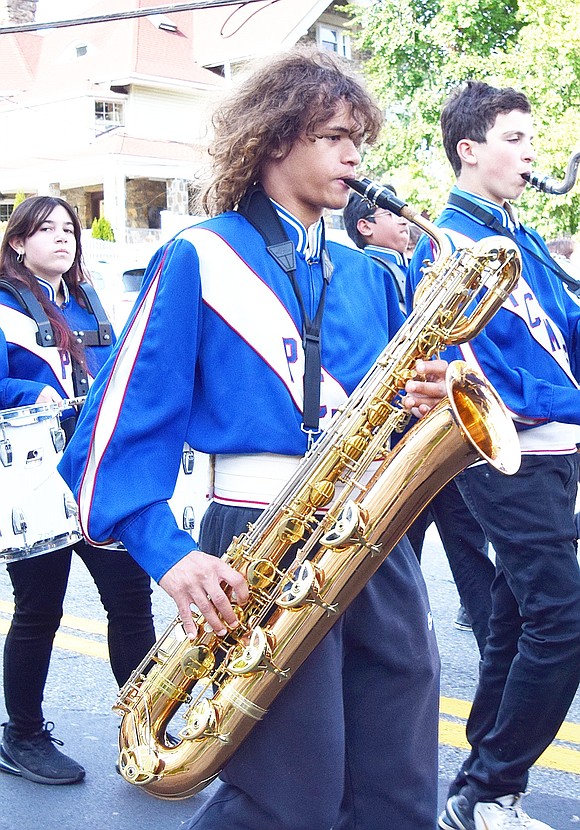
(330, 528)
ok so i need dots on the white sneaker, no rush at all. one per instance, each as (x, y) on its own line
(505, 813)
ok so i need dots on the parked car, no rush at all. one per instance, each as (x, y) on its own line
(117, 289)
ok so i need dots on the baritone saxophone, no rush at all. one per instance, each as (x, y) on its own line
(349, 502)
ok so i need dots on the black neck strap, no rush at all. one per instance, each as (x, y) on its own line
(397, 273)
(492, 222)
(258, 209)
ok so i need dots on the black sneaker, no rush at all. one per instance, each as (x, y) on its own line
(37, 758)
(462, 620)
(6, 765)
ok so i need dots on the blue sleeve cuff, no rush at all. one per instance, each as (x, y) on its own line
(154, 540)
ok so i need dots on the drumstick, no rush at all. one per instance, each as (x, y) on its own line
(65, 404)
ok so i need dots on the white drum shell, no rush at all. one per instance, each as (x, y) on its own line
(38, 513)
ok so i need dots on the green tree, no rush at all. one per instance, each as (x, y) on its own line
(416, 51)
(101, 229)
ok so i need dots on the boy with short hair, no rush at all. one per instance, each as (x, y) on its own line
(382, 235)
(530, 352)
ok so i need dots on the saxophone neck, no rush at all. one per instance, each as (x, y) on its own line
(441, 240)
(547, 184)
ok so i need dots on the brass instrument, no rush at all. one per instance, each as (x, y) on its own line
(227, 683)
(546, 184)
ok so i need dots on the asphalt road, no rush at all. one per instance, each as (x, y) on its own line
(81, 690)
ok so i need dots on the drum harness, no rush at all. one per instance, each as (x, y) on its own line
(101, 336)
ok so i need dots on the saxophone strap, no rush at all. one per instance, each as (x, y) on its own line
(487, 218)
(397, 274)
(258, 209)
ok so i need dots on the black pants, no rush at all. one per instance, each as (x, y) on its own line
(39, 586)
(531, 664)
(465, 546)
(351, 741)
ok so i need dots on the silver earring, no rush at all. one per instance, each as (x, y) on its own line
(20, 257)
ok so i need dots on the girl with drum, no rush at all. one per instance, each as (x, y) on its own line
(54, 336)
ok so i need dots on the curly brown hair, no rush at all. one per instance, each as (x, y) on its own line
(285, 98)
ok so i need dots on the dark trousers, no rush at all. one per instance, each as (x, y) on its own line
(351, 741)
(39, 586)
(465, 546)
(531, 664)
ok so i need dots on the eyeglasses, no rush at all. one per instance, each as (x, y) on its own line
(372, 216)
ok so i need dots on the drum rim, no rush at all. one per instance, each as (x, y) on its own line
(17, 412)
(43, 546)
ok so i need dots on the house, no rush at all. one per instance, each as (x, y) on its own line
(114, 116)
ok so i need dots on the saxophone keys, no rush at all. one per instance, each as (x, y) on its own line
(246, 657)
(346, 529)
(202, 722)
(291, 529)
(198, 661)
(139, 765)
(297, 588)
(303, 588)
(261, 573)
(255, 654)
(321, 493)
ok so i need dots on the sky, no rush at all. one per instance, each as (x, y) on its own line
(49, 10)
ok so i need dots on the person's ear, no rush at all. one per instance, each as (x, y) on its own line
(467, 151)
(364, 227)
(17, 244)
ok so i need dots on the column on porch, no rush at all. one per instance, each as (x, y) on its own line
(178, 196)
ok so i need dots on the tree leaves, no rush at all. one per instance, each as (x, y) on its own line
(416, 51)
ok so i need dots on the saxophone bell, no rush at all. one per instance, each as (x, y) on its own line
(546, 184)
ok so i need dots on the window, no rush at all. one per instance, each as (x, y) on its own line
(109, 113)
(335, 40)
(5, 212)
(81, 50)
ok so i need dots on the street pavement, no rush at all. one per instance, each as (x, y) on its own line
(80, 691)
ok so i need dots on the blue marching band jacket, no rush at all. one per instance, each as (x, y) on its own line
(29, 360)
(530, 349)
(212, 356)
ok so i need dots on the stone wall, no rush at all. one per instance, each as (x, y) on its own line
(80, 199)
(17, 11)
(145, 200)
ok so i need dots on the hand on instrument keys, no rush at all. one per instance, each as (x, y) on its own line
(48, 395)
(200, 578)
(427, 389)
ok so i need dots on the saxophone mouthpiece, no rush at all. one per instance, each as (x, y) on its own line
(377, 195)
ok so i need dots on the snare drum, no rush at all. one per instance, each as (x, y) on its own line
(38, 513)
